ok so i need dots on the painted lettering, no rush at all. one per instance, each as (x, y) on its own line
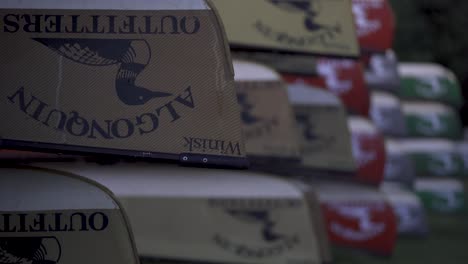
(11, 23)
(77, 125)
(97, 24)
(53, 222)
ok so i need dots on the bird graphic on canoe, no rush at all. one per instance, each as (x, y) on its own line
(316, 141)
(246, 109)
(311, 8)
(29, 250)
(132, 55)
(308, 7)
(263, 217)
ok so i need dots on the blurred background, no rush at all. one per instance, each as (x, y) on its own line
(408, 146)
(434, 31)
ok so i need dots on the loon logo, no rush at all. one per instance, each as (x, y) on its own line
(315, 31)
(366, 228)
(431, 125)
(330, 72)
(383, 117)
(431, 87)
(308, 131)
(442, 164)
(250, 216)
(383, 66)
(447, 201)
(311, 8)
(315, 141)
(256, 126)
(261, 216)
(408, 217)
(362, 156)
(246, 109)
(29, 250)
(132, 55)
(365, 26)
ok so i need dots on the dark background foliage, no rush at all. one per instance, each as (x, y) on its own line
(434, 31)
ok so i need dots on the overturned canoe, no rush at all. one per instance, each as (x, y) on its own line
(120, 77)
(432, 82)
(50, 216)
(408, 208)
(398, 164)
(441, 195)
(324, 134)
(382, 71)
(433, 157)
(345, 79)
(203, 215)
(305, 27)
(432, 120)
(268, 121)
(358, 217)
(387, 114)
(368, 150)
(375, 22)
